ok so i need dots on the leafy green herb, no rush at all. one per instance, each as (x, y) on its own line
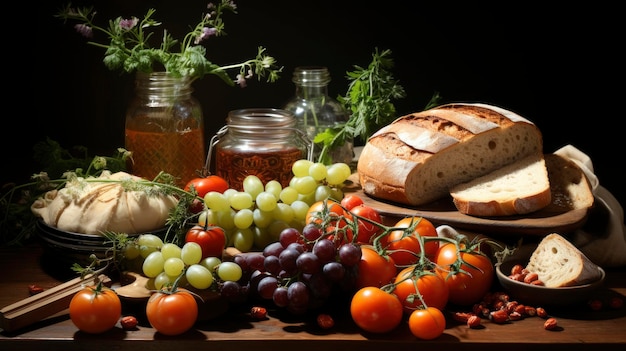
(369, 102)
(130, 50)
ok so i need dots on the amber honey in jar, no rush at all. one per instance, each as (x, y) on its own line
(165, 128)
(258, 141)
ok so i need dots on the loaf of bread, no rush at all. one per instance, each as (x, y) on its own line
(570, 188)
(518, 188)
(559, 263)
(106, 203)
(417, 158)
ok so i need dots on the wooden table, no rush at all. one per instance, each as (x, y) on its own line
(235, 330)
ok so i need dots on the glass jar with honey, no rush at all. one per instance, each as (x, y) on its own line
(258, 141)
(165, 128)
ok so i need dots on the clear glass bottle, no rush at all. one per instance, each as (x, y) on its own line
(165, 128)
(257, 141)
(315, 110)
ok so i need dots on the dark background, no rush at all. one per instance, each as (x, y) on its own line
(562, 68)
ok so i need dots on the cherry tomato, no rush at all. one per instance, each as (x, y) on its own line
(431, 287)
(405, 248)
(211, 239)
(366, 231)
(465, 289)
(427, 324)
(351, 201)
(318, 210)
(96, 309)
(172, 313)
(206, 184)
(375, 310)
(374, 269)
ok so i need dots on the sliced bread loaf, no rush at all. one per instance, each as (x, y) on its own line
(570, 188)
(559, 263)
(518, 188)
(418, 157)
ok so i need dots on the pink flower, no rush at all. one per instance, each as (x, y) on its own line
(128, 24)
(84, 30)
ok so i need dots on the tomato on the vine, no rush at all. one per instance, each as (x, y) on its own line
(374, 269)
(375, 310)
(366, 231)
(206, 184)
(319, 209)
(430, 286)
(428, 323)
(465, 288)
(211, 239)
(172, 313)
(95, 309)
(404, 247)
(351, 201)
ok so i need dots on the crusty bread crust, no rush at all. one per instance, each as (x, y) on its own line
(570, 188)
(418, 157)
(559, 263)
(519, 188)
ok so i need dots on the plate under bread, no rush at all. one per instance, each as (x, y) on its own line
(548, 220)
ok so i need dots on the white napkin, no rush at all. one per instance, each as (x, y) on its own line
(603, 238)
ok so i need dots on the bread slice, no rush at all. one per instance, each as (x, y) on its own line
(559, 263)
(570, 188)
(418, 157)
(519, 188)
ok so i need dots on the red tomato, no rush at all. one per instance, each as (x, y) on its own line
(351, 201)
(465, 289)
(172, 313)
(427, 324)
(431, 287)
(374, 269)
(375, 310)
(404, 246)
(95, 310)
(212, 240)
(206, 184)
(320, 210)
(367, 230)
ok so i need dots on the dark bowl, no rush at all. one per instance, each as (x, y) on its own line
(540, 296)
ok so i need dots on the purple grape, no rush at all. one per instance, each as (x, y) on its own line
(298, 294)
(308, 263)
(273, 249)
(230, 289)
(280, 296)
(272, 265)
(335, 271)
(287, 260)
(325, 250)
(288, 236)
(350, 254)
(266, 287)
(255, 261)
(312, 232)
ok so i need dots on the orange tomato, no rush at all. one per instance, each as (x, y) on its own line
(95, 310)
(404, 245)
(431, 287)
(375, 310)
(374, 269)
(427, 324)
(172, 313)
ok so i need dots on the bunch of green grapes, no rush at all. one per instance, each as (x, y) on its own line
(255, 216)
(167, 262)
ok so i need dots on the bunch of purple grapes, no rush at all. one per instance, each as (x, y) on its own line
(304, 269)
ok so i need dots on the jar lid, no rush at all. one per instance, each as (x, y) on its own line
(260, 118)
(311, 75)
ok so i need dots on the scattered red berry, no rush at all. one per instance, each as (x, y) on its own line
(34, 289)
(128, 322)
(616, 302)
(325, 321)
(258, 313)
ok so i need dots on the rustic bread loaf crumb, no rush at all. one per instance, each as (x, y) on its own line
(559, 263)
(518, 188)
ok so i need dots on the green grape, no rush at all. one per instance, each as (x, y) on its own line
(162, 280)
(318, 171)
(293, 181)
(243, 218)
(275, 228)
(262, 218)
(199, 276)
(305, 185)
(131, 251)
(229, 271)
(148, 243)
(226, 219)
(241, 200)
(266, 201)
(191, 253)
(300, 168)
(262, 237)
(229, 192)
(207, 218)
(243, 239)
(322, 192)
(338, 173)
(274, 187)
(210, 262)
(336, 193)
(153, 264)
(173, 266)
(307, 198)
(300, 208)
(170, 250)
(216, 201)
(283, 212)
(252, 185)
(288, 195)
